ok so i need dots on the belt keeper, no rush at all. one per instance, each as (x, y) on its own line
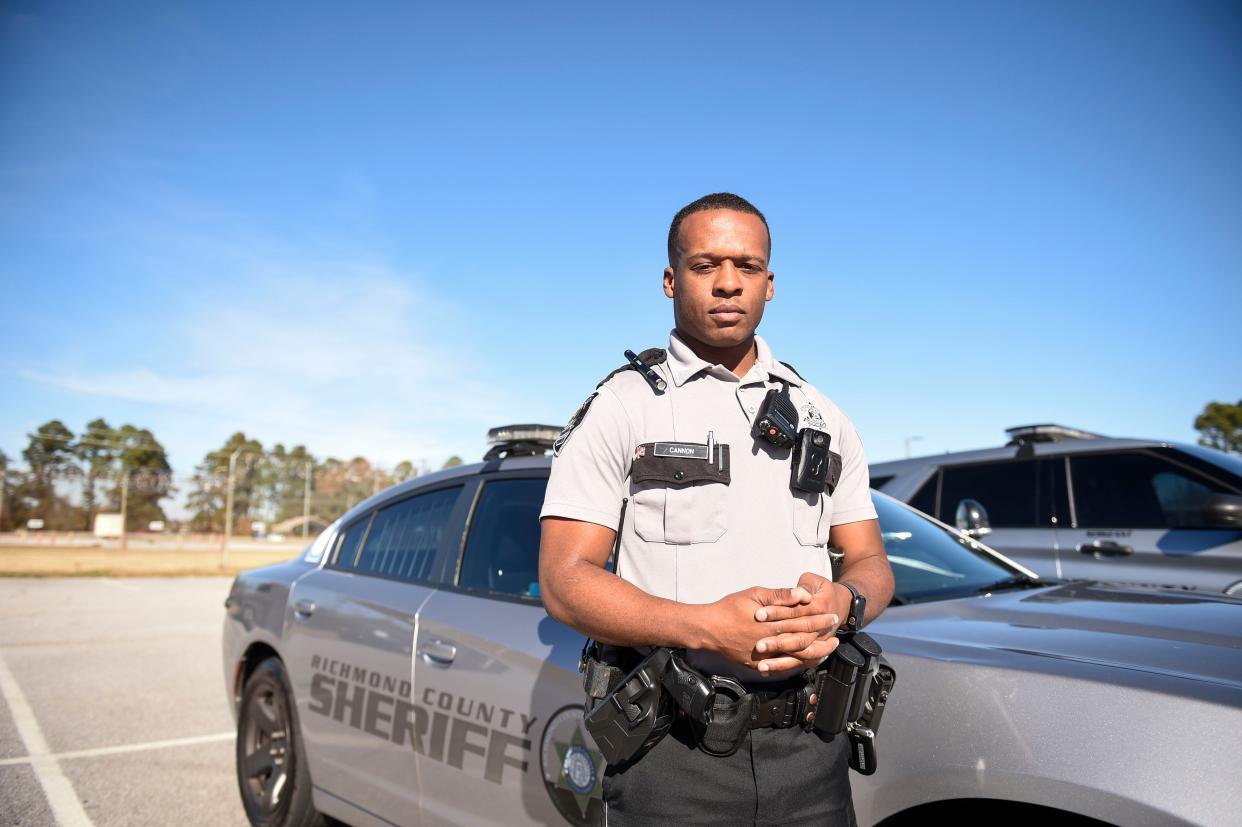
(779, 710)
(791, 709)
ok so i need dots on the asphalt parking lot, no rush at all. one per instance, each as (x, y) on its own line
(112, 705)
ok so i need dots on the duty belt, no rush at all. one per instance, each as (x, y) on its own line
(628, 712)
(777, 709)
(736, 708)
(780, 704)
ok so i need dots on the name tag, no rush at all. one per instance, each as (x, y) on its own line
(688, 450)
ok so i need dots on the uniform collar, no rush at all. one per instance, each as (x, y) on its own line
(684, 364)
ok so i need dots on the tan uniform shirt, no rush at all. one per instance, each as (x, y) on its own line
(697, 542)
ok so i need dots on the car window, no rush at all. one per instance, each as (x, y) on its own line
(404, 537)
(1008, 490)
(347, 549)
(1208, 462)
(878, 482)
(925, 499)
(1138, 490)
(1052, 500)
(502, 548)
(929, 562)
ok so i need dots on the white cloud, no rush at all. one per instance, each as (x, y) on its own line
(298, 335)
(349, 359)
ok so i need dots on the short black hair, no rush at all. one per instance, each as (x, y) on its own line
(715, 201)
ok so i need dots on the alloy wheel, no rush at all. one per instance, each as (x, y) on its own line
(266, 749)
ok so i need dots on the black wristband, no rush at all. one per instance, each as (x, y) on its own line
(858, 607)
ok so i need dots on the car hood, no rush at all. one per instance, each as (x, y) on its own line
(1155, 633)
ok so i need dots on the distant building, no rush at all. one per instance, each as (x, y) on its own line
(108, 526)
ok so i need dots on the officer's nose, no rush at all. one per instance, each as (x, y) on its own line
(728, 280)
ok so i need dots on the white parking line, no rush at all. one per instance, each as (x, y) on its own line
(91, 753)
(65, 804)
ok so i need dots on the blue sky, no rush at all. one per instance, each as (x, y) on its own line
(380, 229)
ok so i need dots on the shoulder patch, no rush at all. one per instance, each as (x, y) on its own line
(572, 424)
(814, 418)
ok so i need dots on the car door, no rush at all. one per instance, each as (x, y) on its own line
(1140, 516)
(1024, 499)
(505, 745)
(351, 630)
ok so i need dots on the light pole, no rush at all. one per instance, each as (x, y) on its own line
(306, 499)
(910, 439)
(228, 508)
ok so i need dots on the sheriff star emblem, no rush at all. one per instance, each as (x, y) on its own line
(580, 770)
(573, 770)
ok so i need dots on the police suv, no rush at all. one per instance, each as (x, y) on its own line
(403, 671)
(1069, 503)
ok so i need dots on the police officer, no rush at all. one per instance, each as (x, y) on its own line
(716, 552)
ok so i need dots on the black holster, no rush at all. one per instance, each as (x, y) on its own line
(628, 712)
(634, 713)
(851, 689)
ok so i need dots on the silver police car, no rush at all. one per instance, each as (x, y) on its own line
(1069, 503)
(402, 671)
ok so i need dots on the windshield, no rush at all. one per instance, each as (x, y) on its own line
(1228, 462)
(930, 563)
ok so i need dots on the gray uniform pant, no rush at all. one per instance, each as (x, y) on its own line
(777, 777)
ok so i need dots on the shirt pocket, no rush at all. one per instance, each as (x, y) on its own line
(812, 513)
(679, 500)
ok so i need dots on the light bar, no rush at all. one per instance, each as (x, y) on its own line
(546, 434)
(1048, 432)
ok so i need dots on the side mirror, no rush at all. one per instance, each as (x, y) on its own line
(972, 519)
(1222, 511)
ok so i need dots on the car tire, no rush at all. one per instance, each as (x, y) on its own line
(272, 775)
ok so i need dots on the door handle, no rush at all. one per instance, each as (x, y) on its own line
(1105, 548)
(438, 652)
(304, 608)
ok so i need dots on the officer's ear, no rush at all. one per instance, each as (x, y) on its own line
(771, 287)
(670, 282)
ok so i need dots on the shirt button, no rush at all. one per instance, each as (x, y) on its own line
(751, 409)
(679, 475)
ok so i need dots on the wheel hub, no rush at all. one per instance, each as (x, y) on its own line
(265, 757)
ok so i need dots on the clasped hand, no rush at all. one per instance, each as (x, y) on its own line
(776, 630)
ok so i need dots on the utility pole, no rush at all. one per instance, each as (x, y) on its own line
(124, 508)
(228, 509)
(910, 439)
(310, 467)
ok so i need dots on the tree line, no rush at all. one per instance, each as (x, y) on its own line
(72, 477)
(271, 484)
(99, 466)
